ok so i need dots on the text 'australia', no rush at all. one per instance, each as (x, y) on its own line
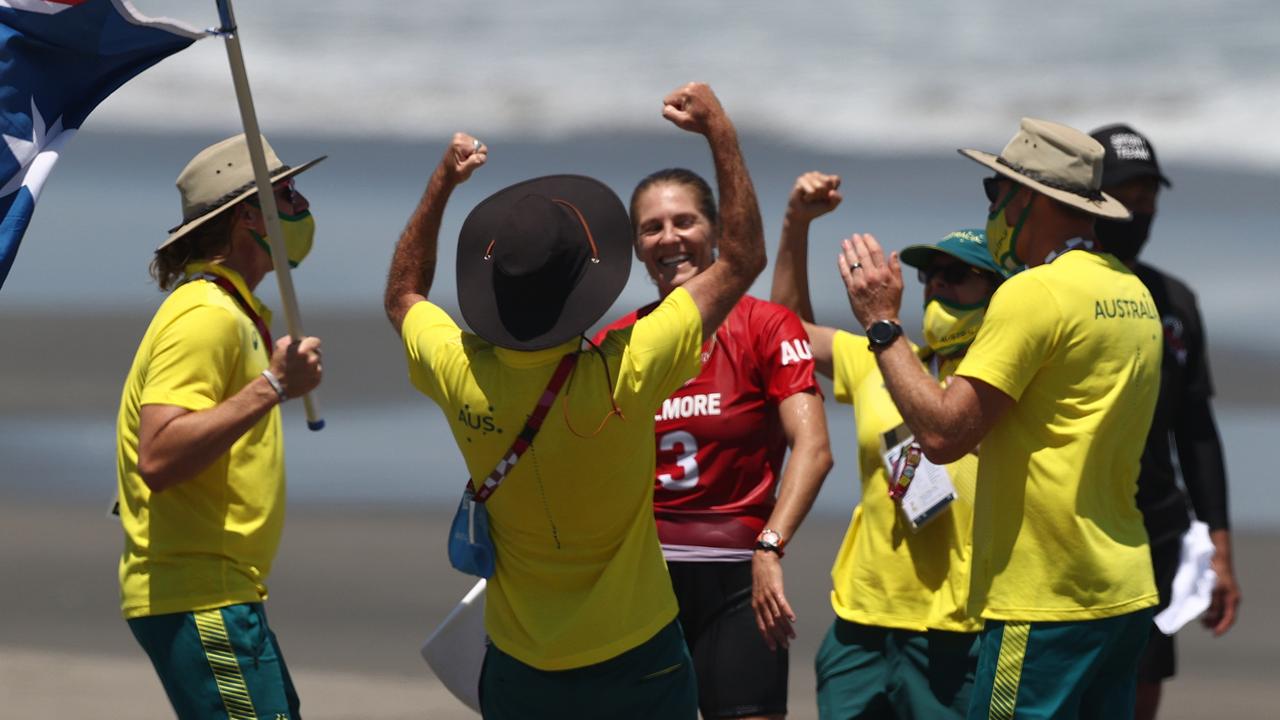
(1124, 308)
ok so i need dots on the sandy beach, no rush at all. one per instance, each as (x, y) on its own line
(356, 590)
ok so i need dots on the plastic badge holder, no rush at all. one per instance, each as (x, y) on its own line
(470, 547)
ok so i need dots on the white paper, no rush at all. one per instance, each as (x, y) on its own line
(929, 493)
(455, 650)
(931, 490)
(1194, 582)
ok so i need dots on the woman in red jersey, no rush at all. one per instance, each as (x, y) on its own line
(721, 443)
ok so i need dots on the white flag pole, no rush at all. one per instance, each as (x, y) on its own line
(266, 194)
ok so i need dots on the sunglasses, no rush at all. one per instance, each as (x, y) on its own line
(952, 274)
(286, 193)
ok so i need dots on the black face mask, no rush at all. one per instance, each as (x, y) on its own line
(1124, 239)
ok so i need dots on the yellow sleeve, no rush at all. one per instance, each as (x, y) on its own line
(192, 359)
(1014, 341)
(664, 351)
(425, 331)
(851, 359)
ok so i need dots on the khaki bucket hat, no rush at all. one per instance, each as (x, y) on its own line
(1058, 161)
(220, 176)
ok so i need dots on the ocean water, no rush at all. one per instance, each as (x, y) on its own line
(1201, 78)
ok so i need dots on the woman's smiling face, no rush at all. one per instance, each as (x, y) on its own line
(674, 240)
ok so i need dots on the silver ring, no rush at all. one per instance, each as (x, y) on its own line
(477, 146)
(855, 266)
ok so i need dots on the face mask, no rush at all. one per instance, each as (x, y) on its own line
(950, 328)
(1002, 240)
(299, 232)
(1124, 239)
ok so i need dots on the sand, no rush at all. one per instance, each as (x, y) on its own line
(356, 590)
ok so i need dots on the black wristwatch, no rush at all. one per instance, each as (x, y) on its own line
(769, 541)
(882, 333)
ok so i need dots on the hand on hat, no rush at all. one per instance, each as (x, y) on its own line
(815, 194)
(874, 284)
(463, 156)
(693, 107)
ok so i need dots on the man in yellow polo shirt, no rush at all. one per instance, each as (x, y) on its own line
(580, 610)
(1058, 388)
(199, 452)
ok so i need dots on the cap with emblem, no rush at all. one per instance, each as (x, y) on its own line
(1128, 155)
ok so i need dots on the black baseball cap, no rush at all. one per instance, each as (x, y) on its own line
(1128, 155)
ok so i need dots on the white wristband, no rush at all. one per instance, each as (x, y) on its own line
(274, 382)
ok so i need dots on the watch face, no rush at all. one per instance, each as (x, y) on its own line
(769, 537)
(882, 332)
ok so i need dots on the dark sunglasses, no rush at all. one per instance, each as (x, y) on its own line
(285, 191)
(952, 274)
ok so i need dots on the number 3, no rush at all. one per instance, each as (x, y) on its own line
(684, 443)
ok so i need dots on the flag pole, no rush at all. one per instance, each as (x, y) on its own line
(266, 194)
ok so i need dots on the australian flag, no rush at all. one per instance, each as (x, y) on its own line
(58, 60)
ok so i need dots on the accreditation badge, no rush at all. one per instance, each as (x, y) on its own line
(920, 488)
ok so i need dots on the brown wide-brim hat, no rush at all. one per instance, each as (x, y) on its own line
(220, 176)
(1058, 161)
(541, 261)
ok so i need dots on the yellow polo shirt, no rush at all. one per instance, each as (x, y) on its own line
(580, 576)
(886, 575)
(209, 541)
(1057, 533)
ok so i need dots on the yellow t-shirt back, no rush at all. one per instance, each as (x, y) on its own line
(209, 541)
(1057, 532)
(580, 576)
(886, 575)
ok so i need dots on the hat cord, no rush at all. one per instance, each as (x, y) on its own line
(595, 251)
(591, 240)
(1088, 193)
(612, 403)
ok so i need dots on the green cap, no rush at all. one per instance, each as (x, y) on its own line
(968, 246)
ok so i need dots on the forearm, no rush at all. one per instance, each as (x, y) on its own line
(413, 264)
(742, 233)
(1200, 458)
(944, 431)
(191, 441)
(791, 268)
(806, 469)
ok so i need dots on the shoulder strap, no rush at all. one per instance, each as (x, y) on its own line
(525, 438)
(243, 302)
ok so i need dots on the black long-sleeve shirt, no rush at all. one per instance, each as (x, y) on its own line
(1183, 421)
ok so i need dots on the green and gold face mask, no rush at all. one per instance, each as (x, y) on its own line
(950, 328)
(1002, 240)
(299, 234)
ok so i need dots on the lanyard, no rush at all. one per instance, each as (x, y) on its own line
(531, 427)
(1068, 246)
(243, 302)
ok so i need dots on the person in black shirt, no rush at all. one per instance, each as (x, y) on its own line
(1183, 417)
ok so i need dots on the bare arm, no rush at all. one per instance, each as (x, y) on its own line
(715, 291)
(814, 195)
(176, 444)
(805, 425)
(413, 266)
(947, 422)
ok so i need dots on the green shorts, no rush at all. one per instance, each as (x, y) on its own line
(875, 672)
(653, 680)
(221, 664)
(1084, 669)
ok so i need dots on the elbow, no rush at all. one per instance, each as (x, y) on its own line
(941, 449)
(156, 476)
(823, 460)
